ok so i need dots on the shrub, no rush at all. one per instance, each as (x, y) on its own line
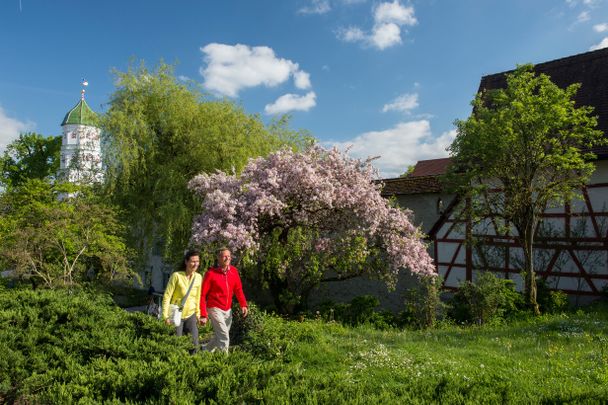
(243, 327)
(488, 298)
(550, 301)
(361, 310)
(423, 304)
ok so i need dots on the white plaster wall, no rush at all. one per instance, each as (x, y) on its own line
(81, 141)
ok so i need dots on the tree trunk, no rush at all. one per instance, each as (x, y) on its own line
(530, 281)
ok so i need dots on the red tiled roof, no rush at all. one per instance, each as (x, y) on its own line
(410, 185)
(432, 167)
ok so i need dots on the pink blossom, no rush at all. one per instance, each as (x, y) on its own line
(323, 191)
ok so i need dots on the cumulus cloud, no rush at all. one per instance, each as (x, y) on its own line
(231, 68)
(389, 18)
(601, 27)
(404, 103)
(603, 44)
(10, 128)
(292, 102)
(301, 80)
(316, 7)
(385, 36)
(398, 147)
(386, 13)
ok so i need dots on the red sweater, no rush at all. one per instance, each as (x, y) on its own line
(218, 289)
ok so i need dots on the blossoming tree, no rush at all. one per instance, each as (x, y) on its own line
(298, 219)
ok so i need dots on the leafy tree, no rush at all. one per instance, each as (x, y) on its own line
(58, 235)
(408, 171)
(301, 218)
(528, 141)
(159, 134)
(31, 156)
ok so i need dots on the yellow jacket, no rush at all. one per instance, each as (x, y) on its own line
(176, 289)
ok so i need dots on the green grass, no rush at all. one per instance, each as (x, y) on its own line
(561, 358)
(61, 347)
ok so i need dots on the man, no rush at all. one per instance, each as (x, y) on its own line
(219, 285)
(177, 288)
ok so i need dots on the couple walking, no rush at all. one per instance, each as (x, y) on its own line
(206, 299)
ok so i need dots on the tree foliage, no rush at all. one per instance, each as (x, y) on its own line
(300, 218)
(61, 241)
(31, 156)
(529, 141)
(159, 134)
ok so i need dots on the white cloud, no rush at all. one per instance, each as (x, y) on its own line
(292, 102)
(301, 80)
(404, 103)
(602, 44)
(10, 128)
(589, 3)
(316, 7)
(583, 16)
(601, 27)
(352, 34)
(231, 68)
(394, 13)
(389, 18)
(398, 147)
(386, 35)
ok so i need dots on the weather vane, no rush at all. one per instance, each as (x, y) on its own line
(84, 84)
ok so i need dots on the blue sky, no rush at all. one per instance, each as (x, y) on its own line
(387, 78)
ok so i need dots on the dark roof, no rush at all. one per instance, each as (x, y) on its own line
(431, 167)
(590, 69)
(410, 185)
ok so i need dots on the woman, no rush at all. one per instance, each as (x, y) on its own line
(186, 282)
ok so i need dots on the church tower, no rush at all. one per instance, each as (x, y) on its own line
(81, 145)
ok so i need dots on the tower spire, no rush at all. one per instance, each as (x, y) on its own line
(82, 91)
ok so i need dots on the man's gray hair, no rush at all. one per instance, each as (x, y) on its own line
(220, 250)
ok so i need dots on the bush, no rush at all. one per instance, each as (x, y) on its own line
(550, 301)
(361, 310)
(243, 327)
(488, 298)
(423, 304)
(79, 347)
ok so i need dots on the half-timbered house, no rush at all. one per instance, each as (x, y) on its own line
(571, 246)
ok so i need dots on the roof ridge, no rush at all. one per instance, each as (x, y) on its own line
(564, 61)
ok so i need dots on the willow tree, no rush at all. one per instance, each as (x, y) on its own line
(159, 133)
(524, 148)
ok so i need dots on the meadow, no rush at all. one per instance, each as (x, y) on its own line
(79, 347)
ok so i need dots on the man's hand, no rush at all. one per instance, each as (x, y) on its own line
(202, 321)
(245, 311)
(168, 321)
